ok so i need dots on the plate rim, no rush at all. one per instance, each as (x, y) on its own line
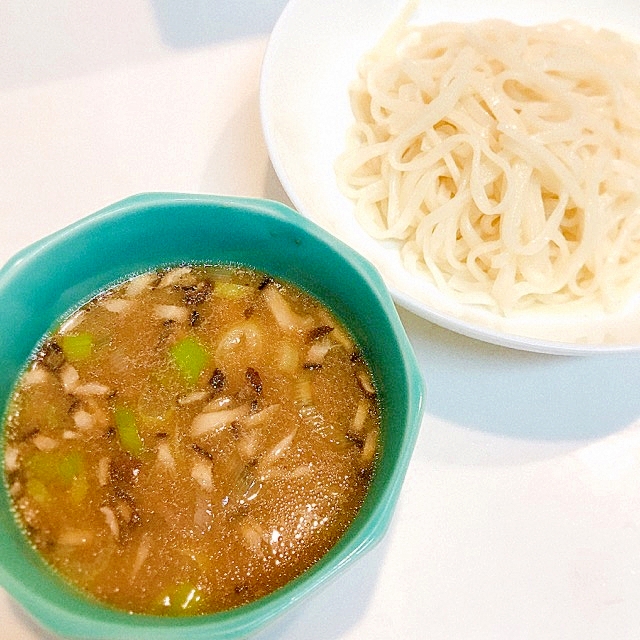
(283, 29)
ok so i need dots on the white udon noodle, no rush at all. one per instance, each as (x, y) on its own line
(504, 159)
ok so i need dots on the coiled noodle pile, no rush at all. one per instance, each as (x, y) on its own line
(504, 159)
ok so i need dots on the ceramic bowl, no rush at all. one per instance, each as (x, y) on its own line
(47, 280)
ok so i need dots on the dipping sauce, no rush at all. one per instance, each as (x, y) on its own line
(191, 440)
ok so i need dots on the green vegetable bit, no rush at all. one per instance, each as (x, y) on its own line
(37, 490)
(55, 467)
(232, 290)
(77, 347)
(71, 466)
(127, 427)
(190, 357)
(180, 599)
(65, 471)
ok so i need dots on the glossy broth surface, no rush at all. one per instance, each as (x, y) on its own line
(191, 440)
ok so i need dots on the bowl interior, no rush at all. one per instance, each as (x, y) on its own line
(44, 282)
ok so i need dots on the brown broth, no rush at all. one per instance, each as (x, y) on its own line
(191, 440)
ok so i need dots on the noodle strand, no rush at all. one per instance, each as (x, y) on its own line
(504, 158)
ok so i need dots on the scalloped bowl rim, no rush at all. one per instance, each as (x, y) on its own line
(69, 615)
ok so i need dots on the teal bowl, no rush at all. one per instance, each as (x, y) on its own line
(45, 281)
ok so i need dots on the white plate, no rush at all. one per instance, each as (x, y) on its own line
(311, 59)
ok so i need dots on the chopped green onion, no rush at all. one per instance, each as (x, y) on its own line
(181, 599)
(37, 490)
(55, 468)
(190, 357)
(77, 347)
(79, 489)
(232, 290)
(130, 439)
(70, 466)
(42, 466)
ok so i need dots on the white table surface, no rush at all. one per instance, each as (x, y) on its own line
(520, 515)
